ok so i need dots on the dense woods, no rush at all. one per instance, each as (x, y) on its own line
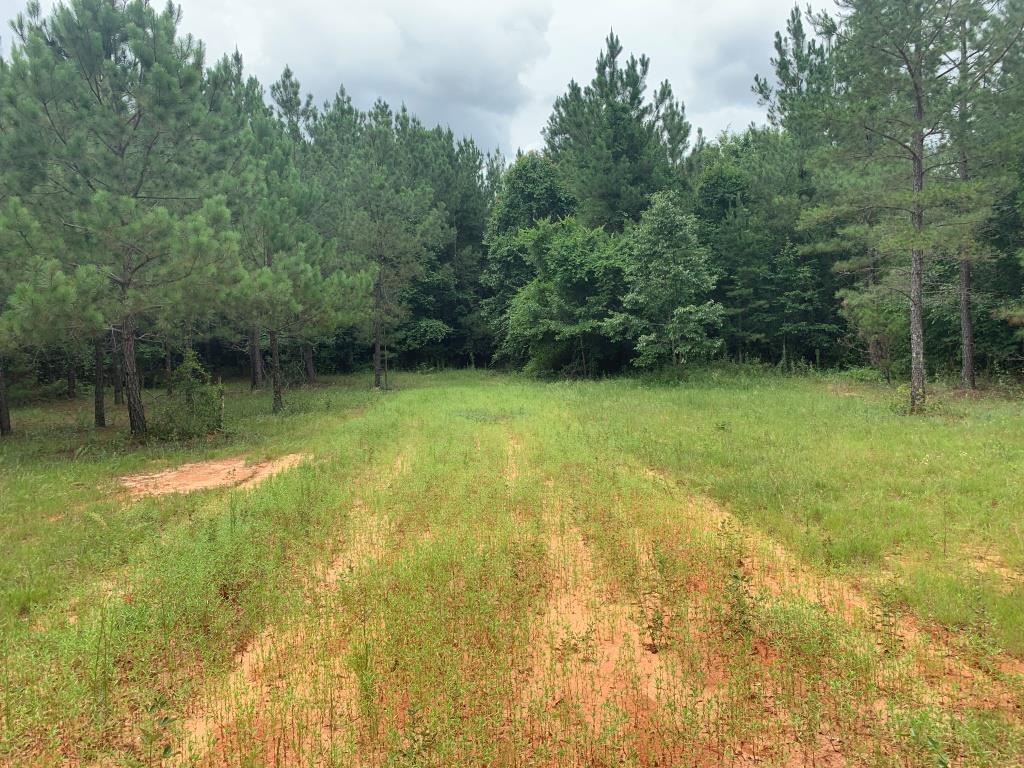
(158, 211)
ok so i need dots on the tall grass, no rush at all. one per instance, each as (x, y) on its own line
(455, 570)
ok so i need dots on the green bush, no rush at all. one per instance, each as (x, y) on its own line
(195, 409)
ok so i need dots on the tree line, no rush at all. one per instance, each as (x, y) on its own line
(154, 208)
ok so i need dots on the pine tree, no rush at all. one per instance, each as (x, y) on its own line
(985, 32)
(666, 310)
(291, 279)
(892, 109)
(109, 98)
(391, 224)
(613, 146)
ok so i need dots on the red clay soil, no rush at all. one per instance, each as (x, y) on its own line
(202, 475)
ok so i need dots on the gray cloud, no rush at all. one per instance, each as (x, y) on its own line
(492, 69)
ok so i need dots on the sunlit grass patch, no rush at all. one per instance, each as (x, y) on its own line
(474, 569)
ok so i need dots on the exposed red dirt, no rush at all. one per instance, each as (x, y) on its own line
(951, 679)
(202, 475)
(288, 694)
(592, 670)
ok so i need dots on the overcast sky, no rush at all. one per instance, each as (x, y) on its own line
(492, 68)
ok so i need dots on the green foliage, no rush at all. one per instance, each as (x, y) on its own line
(151, 198)
(612, 145)
(559, 321)
(195, 409)
(776, 288)
(531, 191)
(665, 311)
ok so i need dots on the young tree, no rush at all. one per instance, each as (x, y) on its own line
(111, 97)
(613, 147)
(566, 319)
(530, 191)
(666, 310)
(892, 109)
(391, 224)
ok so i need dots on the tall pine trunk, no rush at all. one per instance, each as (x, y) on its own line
(256, 372)
(99, 384)
(308, 363)
(917, 393)
(5, 408)
(967, 378)
(275, 369)
(72, 378)
(378, 332)
(168, 370)
(132, 385)
(117, 375)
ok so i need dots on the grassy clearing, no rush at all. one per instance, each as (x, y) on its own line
(478, 569)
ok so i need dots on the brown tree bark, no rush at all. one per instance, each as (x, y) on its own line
(917, 371)
(117, 370)
(5, 408)
(132, 385)
(275, 369)
(967, 377)
(99, 384)
(72, 378)
(118, 378)
(378, 332)
(168, 370)
(256, 371)
(308, 363)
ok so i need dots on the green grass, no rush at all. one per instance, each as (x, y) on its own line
(436, 504)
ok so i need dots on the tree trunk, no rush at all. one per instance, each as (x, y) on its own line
(917, 393)
(168, 370)
(377, 333)
(99, 392)
(118, 373)
(132, 386)
(308, 363)
(255, 359)
(72, 379)
(967, 379)
(5, 409)
(275, 367)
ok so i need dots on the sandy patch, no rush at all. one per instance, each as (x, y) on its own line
(201, 475)
(594, 678)
(513, 450)
(767, 567)
(992, 564)
(290, 697)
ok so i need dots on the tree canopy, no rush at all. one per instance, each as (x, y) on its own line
(155, 208)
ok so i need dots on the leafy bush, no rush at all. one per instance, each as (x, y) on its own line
(196, 407)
